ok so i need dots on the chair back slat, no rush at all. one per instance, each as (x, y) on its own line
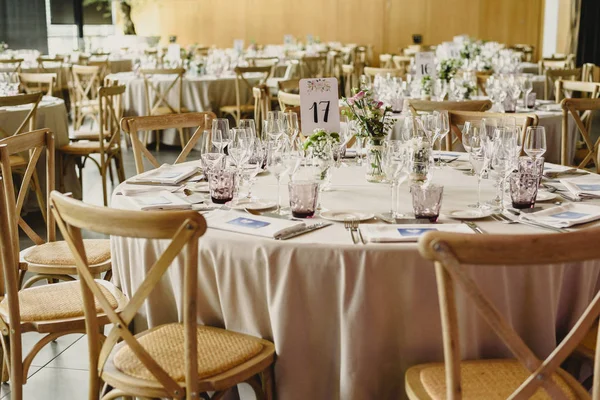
(578, 110)
(22, 100)
(85, 82)
(158, 86)
(13, 63)
(262, 104)
(288, 99)
(372, 72)
(242, 84)
(182, 228)
(553, 74)
(451, 252)
(133, 125)
(38, 82)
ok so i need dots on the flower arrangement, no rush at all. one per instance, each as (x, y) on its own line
(470, 50)
(319, 139)
(426, 85)
(447, 69)
(369, 113)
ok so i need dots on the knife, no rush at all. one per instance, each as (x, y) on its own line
(307, 229)
(474, 227)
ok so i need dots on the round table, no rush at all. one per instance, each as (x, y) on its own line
(348, 320)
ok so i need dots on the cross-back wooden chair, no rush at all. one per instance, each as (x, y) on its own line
(458, 119)
(372, 72)
(579, 110)
(289, 86)
(385, 61)
(262, 104)
(262, 61)
(349, 76)
(566, 89)
(164, 95)
(244, 82)
(133, 125)
(288, 99)
(482, 78)
(402, 63)
(416, 105)
(46, 259)
(83, 88)
(107, 144)
(334, 64)
(590, 72)
(313, 66)
(38, 82)
(11, 64)
(177, 360)
(51, 310)
(557, 62)
(53, 65)
(103, 65)
(518, 378)
(553, 74)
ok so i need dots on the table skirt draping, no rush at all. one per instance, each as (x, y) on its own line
(348, 320)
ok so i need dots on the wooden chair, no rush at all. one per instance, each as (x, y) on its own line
(161, 86)
(590, 73)
(242, 84)
(38, 82)
(33, 100)
(349, 79)
(556, 62)
(53, 65)
(103, 65)
(133, 125)
(553, 74)
(402, 63)
(177, 360)
(518, 378)
(289, 86)
(416, 105)
(84, 87)
(46, 259)
(11, 64)
(566, 89)
(580, 110)
(313, 66)
(51, 310)
(262, 61)
(334, 64)
(385, 61)
(262, 105)
(373, 72)
(107, 144)
(458, 118)
(288, 99)
(482, 78)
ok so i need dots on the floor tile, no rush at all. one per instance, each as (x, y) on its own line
(75, 357)
(51, 350)
(55, 384)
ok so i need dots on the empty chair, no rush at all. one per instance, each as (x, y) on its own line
(579, 110)
(373, 72)
(288, 99)
(568, 88)
(38, 82)
(262, 105)
(245, 79)
(11, 64)
(289, 86)
(83, 88)
(553, 74)
(385, 61)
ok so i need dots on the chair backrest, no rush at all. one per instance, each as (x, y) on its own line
(183, 229)
(242, 83)
(349, 76)
(133, 125)
(289, 86)
(158, 84)
(288, 99)
(313, 66)
(85, 82)
(21, 100)
(458, 118)
(553, 74)
(385, 61)
(482, 79)
(373, 72)
(52, 65)
(110, 114)
(402, 63)
(12, 64)
(560, 62)
(38, 82)
(580, 111)
(262, 61)
(450, 251)
(262, 104)
(334, 64)
(565, 89)
(590, 73)
(416, 105)
(103, 65)
(35, 143)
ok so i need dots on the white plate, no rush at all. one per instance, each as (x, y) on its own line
(251, 204)
(346, 215)
(201, 187)
(469, 214)
(462, 165)
(545, 196)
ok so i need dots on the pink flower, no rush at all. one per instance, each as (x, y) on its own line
(359, 95)
(350, 101)
(379, 104)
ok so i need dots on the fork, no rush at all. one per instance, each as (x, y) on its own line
(349, 227)
(355, 228)
(505, 220)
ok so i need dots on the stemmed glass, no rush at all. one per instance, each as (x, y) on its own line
(535, 141)
(394, 160)
(276, 166)
(470, 130)
(504, 158)
(220, 133)
(479, 158)
(292, 128)
(254, 164)
(442, 127)
(527, 86)
(273, 129)
(249, 125)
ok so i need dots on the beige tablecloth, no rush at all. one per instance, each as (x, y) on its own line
(51, 114)
(348, 320)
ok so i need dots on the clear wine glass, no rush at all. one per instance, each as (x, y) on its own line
(273, 129)
(441, 130)
(276, 166)
(249, 125)
(220, 125)
(292, 128)
(527, 88)
(535, 141)
(394, 160)
(254, 165)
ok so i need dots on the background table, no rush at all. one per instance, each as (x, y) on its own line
(348, 320)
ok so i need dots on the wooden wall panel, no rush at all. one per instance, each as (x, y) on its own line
(386, 24)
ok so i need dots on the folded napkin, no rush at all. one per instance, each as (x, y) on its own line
(258, 225)
(550, 107)
(133, 190)
(565, 216)
(163, 200)
(166, 174)
(584, 188)
(350, 153)
(406, 233)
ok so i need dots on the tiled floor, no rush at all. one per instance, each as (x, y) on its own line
(60, 370)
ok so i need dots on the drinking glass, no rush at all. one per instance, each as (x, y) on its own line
(523, 190)
(535, 141)
(276, 166)
(441, 130)
(249, 125)
(292, 128)
(303, 198)
(220, 127)
(361, 142)
(255, 165)
(221, 184)
(479, 158)
(212, 161)
(527, 88)
(471, 136)
(427, 201)
(273, 129)
(504, 159)
(394, 160)
(365, 82)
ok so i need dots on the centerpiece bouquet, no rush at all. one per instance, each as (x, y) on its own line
(374, 123)
(320, 148)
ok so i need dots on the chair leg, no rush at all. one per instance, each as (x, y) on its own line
(181, 139)
(268, 379)
(120, 167)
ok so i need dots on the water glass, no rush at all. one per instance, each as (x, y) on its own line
(523, 190)
(531, 166)
(221, 184)
(303, 198)
(535, 141)
(212, 161)
(427, 201)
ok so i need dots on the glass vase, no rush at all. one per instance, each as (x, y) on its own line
(374, 168)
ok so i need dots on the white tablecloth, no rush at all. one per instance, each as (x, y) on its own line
(348, 320)
(51, 114)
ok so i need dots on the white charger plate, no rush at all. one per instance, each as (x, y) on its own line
(346, 215)
(201, 187)
(252, 204)
(469, 214)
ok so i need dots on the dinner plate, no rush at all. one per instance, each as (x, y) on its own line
(201, 187)
(251, 204)
(346, 215)
(462, 165)
(545, 196)
(470, 214)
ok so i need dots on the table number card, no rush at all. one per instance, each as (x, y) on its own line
(238, 45)
(319, 105)
(174, 52)
(425, 63)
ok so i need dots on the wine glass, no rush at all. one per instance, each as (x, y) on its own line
(292, 128)
(276, 166)
(527, 88)
(249, 125)
(220, 126)
(254, 165)
(219, 140)
(394, 160)
(273, 129)
(442, 128)
(503, 159)
(479, 158)
(535, 141)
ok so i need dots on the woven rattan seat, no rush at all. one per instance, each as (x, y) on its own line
(219, 350)
(486, 379)
(87, 135)
(57, 301)
(58, 253)
(84, 147)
